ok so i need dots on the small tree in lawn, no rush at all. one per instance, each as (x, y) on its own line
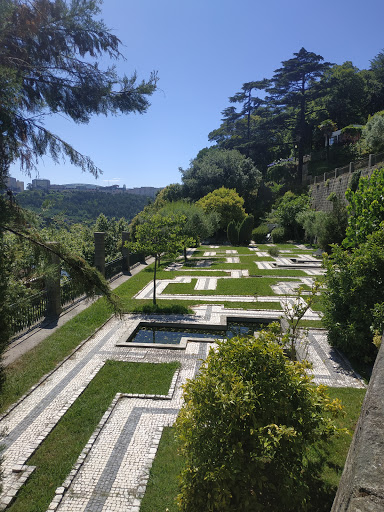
(157, 235)
(294, 311)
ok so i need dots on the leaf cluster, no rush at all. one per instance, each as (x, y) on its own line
(50, 58)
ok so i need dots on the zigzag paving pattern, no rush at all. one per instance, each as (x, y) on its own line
(112, 471)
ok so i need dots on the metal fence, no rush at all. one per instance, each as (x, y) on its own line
(114, 267)
(68, 292)
(28, 312)
(358, 164)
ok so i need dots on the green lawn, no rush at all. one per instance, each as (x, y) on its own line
(240, 286)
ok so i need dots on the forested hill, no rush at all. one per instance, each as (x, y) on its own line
(80, 206)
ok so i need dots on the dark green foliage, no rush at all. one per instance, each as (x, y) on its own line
(288, 207)
(233, 233)
(273, 251)
(283, 172)
(366, 208)
(77, 206)
(245, 230)
(352, 132)
(278, 235)
(259, 234)
(293, 86)
(354, 180)
(214, 168)
(247, 427)
(334, 224)
(354, 287)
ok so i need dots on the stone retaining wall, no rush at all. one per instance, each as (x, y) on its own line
(361, 487)
(320, 191)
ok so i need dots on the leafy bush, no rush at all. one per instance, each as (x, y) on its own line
(287, 209)
(245, 230)
(283, 171)
(354, 288)
(247, 427)
(354, 180)
(325, 228)
(373, 132)
(259, 234)
(366, 208)
(273, 251)
(278, 235)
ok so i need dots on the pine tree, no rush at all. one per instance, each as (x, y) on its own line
(291, 88)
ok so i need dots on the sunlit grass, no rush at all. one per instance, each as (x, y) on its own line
(59, 451)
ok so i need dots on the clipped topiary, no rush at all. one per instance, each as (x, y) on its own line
(259, 234)
(233, 233)
(245, 230)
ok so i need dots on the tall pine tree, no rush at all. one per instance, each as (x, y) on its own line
(291, 88)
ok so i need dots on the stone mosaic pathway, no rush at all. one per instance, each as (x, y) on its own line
(112, 471)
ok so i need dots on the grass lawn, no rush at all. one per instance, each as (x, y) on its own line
(59, 451)
(241, 286)
(282, 272)
(315, 324)
(162, 487)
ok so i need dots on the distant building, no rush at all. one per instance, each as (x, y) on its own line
(15, 185)
(11, 183)
(40, 184)
(144, 191)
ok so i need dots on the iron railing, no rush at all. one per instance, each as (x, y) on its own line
(28, 312)
(359, 164)
(113, 267)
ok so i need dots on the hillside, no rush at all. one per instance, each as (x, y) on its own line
(79, 206)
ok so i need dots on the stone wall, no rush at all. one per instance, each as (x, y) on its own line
(361, 487)
(339, 184)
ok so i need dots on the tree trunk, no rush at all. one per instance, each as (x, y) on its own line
(154, 282)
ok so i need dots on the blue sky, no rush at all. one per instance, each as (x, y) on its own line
(203, 50)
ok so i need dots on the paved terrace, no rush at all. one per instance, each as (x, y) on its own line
(112, 472)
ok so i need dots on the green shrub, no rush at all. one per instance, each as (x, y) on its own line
(353, 292)
(278, 235)
(233, 233)
(259, 234)
(248, 426)
(354, 180)
(273, 251)
(245, 230)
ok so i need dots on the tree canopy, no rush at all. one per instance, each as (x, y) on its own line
(214, 168)
(51, 53)
(226, 203)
